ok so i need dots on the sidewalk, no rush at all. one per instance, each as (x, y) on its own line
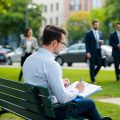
(85, 66)
(110, 100)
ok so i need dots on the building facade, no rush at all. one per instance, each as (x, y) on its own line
(56, 11)
(53, 12)
(81, 5)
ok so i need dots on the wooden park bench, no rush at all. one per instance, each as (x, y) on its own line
(28, 101)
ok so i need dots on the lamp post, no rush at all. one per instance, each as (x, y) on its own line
(27, 24)
(29, 6)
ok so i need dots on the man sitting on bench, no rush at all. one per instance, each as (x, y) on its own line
(42, 70)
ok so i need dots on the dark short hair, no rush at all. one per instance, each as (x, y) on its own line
(52, 32)
(95, 21)
(26, 31)
(118, 23)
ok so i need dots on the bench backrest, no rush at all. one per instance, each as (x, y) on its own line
(27, 101)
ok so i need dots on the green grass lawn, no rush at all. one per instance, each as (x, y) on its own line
(106, 79)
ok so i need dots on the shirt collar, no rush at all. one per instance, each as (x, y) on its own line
(47, 52)
(118, 32)
(94, 30)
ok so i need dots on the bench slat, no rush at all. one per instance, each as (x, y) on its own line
(20, 111)
(22, 87)
(29, 101)
(14, 84)
(19, 94)
(19, 102)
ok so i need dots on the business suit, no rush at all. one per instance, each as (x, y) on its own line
(95, 52)
(114, 41)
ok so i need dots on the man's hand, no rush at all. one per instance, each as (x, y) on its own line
(66, 82)
(88, 55)
(118, 45)
(23, 46)
(33, 47)
(101, 42)
(80, 86)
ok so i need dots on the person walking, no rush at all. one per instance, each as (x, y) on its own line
(41, 69)
(93, 42)
(29, 45)
(114, 41)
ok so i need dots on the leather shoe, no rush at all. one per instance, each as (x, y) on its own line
(106, 118)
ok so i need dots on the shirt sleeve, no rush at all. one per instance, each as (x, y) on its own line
(35, 43)
(55, 82)
(112, 41)
(22, 42)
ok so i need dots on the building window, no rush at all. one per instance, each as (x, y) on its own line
(86, 5)
(45, 8)
(51, 21)
(45, 22)
(77, 4)
(51, 8)
(57, 6)
(74, 4)
(57, 21)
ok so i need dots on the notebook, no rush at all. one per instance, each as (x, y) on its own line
(88, 90)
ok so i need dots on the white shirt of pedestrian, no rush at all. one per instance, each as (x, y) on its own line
(118, 34)
(96, 34)
(28, 46)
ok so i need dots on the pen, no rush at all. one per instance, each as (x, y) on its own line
(81, 80)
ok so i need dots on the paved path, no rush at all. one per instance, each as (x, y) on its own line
(85, 66)
(74, 66)
(110, 100)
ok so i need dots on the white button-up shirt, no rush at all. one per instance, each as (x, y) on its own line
(96, 34)
(118, 34)
(42, 70)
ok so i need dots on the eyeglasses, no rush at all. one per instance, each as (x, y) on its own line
(63, 43)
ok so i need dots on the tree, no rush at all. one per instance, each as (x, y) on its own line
(112, 15)
(4, 4)
(99, 14)
(77, 25)
(112, 9)
(14, 20)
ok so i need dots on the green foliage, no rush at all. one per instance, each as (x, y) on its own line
(108, 16)
(112, 15)
(100, 14)
(77, 25)
(112, 9)
(4, 4)
(14, 20)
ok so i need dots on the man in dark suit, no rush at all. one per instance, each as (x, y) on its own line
(115, 43)
(93, 42)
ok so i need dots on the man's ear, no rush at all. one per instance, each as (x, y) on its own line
(54, 43)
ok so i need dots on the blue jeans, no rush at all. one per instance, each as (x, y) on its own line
(84, 108)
